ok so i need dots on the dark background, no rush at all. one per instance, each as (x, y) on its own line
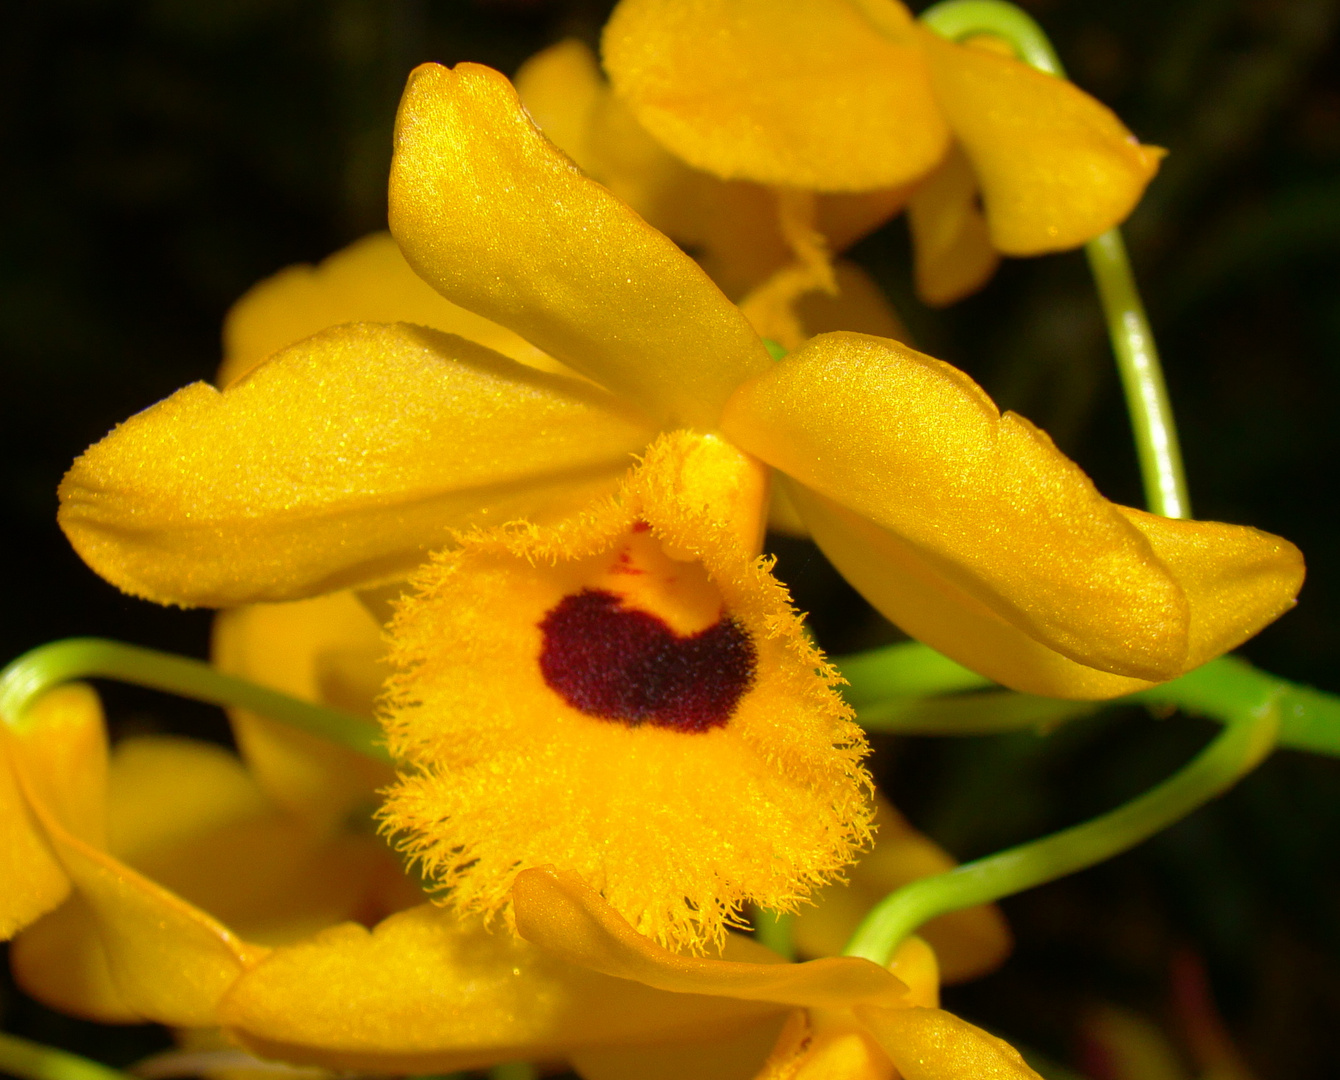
(161, 156)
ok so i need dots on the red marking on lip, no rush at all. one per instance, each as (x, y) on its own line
(626, 665)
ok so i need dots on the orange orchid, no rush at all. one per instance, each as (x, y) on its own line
(624, 641)
(764, 136)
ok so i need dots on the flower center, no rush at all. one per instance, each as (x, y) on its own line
(622, 664)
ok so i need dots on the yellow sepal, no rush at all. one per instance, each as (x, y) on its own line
(808, 94)
(369, 281)
(340, 461)
(1055, 166)
(425, 992)
(491, 214)
(931, 1044)
(951, 244)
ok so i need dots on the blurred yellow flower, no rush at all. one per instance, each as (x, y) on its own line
(857, 103)
(344, 460)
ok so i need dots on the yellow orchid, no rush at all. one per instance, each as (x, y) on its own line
(263, 953)
(576, 701)
(855, 99)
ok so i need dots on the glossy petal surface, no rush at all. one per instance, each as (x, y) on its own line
(425, 992)
(342, 460)
(493, 216)
(369, 281)
(811, 93)
(563, 915)
(985, 500)
(1056, 167)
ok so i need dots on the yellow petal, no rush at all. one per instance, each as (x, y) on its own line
(778, 313)
(560, 913)
(60, 961)
(327, 649)
(983, 500)
(341, 460)
(931, 1044)
(628, 695)
(950, 241)
(369, 281)
(168, 961)
(825, 1045)
(733, 1057)
(493, 216)
(915, 595)
(1056, 167)
(807, 94)
(423, 992)
(61, 747)
(186, 815)
(967, 943)
(1238, 579)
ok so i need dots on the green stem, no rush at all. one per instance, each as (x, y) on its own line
(891, 689)
(1127, 325)
(32, 1061)
(1249, 737)
(38, 671)
(1142, 382)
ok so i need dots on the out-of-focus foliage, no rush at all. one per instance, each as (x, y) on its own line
(162, 155)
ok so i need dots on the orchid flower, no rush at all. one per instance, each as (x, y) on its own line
(534, 672)
(857, 104)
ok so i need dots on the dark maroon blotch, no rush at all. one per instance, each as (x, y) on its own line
(622, 664)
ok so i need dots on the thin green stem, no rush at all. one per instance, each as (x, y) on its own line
(892, 691)
(28, 1060)
(960, 19)
(1128, 328)
(38, 671)
(1249, 737)
(1142, 381)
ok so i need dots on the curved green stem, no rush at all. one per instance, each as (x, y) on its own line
(28, 1060)
(906, 669)
(1249, 737)
(38, 671)
(1127, 325)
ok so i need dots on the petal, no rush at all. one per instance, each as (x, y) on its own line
(983, 500)
(1056, 167)
(60, 961)
(342, 460)
(187, 815)
(423, 992)
(950, 240)
(781, 315)
(327, 649)
(491, 214)
(805, 94)
(1238, 580)
(167, 960)
(931, 1044)
(732, 1057)
(369, 281)
(60, 745)
(917, 596)
(967, 943)
(560, 913)
(630, 696)
(823, 1045)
